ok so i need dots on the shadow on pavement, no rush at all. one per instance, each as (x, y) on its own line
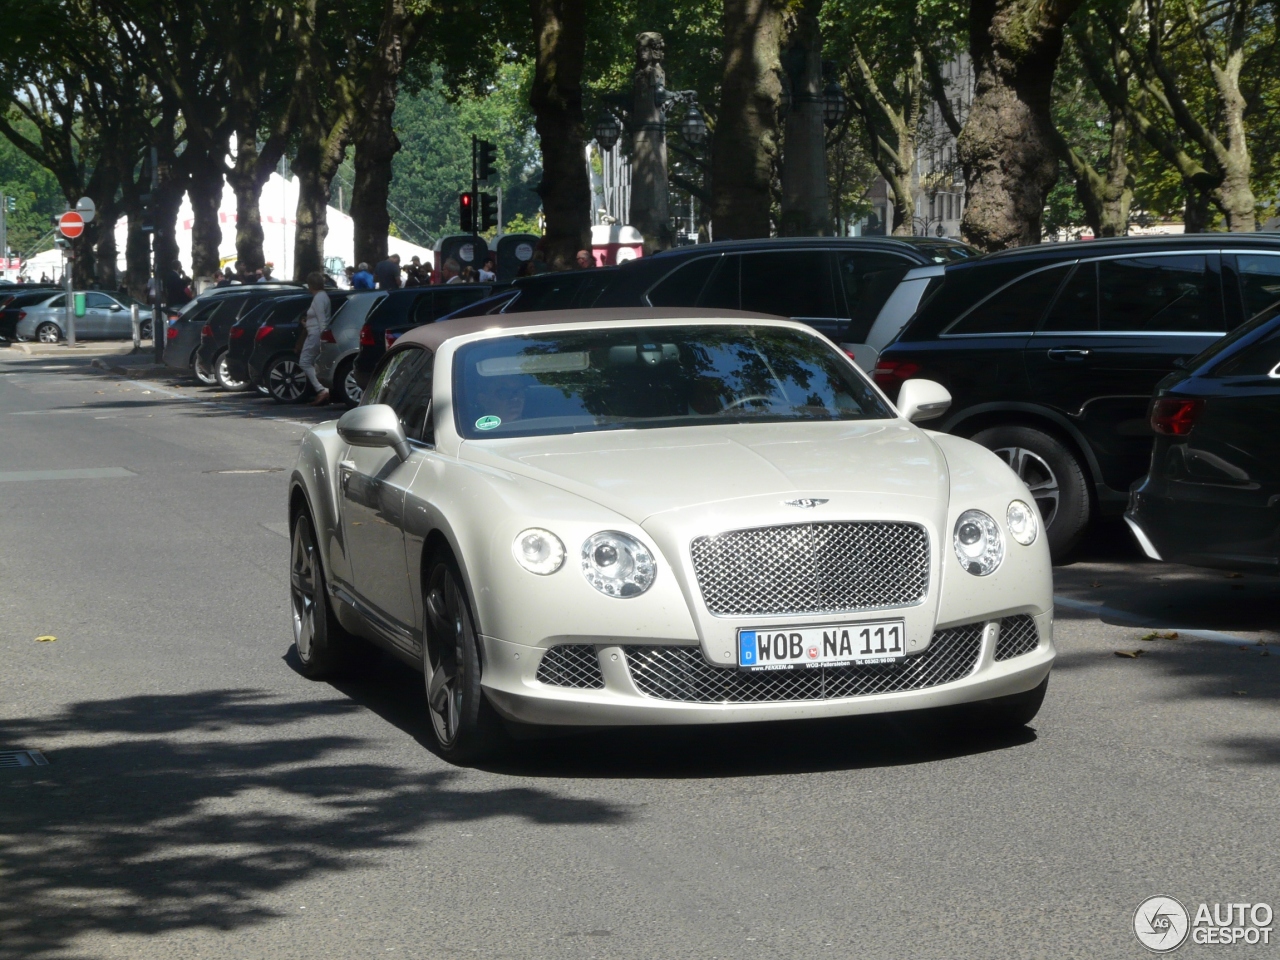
(161, 822)
(395, 693)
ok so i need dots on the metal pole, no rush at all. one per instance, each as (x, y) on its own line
(475, 190)
(136, 321)
(158, 326)
(4, 232)
(70, 296)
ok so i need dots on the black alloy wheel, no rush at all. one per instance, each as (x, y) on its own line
(48, 333)
(348, 390)
(222, 373)
(285, 380)
(324, 647)
(1054, 478)
(465, 725)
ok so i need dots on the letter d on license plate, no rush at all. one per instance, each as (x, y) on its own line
(783, 648)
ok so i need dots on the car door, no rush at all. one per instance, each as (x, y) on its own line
(373, 483)
(1115, 329)
(95, 323)
(795, 284)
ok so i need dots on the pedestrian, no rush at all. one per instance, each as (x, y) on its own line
(348, 278)
(363, 279)
(450, 271)
(177, 286)
(44, 277)
(317, 320)
(221, 279)
(427, 272)
(489, 273)
(264, 275)
(387, 273)
(468, 274)
(241, 274)
(585, 260)
(413, 275)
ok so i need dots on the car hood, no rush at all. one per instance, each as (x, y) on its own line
(642, 473)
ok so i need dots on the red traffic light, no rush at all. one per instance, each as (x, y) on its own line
(466, 212)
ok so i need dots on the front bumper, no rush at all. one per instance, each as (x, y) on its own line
(511, 682)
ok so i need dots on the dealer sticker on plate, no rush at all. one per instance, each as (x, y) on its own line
(873, 641)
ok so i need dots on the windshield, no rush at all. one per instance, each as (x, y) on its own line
(637, 377)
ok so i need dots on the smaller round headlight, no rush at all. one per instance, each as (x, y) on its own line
(617, 565)
(538, 551)
(1024, 526)
(978, 544)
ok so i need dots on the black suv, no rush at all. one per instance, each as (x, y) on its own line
(1052, 352)
(412, 307)
(835, 285)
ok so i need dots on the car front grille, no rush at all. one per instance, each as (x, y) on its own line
(1018, 635)
(681, 673)
(571, 665)
(812, 568)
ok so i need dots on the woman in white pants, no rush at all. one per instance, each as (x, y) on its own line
(317, 319)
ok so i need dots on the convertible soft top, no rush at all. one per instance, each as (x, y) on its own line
(432, 335)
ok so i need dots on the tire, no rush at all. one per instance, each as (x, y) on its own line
(345, 388)
(1053, 474)
(285, 381)
(204, 376)
(324, 648)
(48, 333)
(1010, 713)
(144, 330)
(466, 726)
(222, 374)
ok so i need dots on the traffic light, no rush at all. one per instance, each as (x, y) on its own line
(488, 211)
(467, 212)
(11, 204)
(487, 157)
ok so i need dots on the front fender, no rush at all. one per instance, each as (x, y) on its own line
(312, 475)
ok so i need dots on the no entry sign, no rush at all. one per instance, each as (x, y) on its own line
(71, 224)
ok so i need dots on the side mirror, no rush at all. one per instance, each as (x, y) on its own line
(374, 426)
(922, 400)
(115, 308)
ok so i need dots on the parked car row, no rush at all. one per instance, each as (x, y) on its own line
(1051, 354)
(41, 314)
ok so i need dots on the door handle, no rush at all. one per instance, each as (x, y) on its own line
(1068, 354)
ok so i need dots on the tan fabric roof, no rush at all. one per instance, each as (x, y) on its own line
(431, 335)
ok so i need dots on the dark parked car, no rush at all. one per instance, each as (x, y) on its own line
(182, 339)
(565, 290)
(412, 307)
(1051, 353)
(1212, 494)
(836, 285)
(273, 361)
(215, 332)
(240, 338)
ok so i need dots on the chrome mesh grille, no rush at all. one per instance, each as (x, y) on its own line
(571, 665)
(681, 673)
(1018, 635)
(812, 568)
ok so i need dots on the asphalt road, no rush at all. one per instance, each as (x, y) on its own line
(202, 799)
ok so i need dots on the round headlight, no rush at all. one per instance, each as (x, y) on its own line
(538, 551)
(978, 543)
(617, 565)
(1024, 526)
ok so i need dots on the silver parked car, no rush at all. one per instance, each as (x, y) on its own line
(340, 343)
(106, 317)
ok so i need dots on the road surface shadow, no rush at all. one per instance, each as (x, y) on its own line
(170, 813)
(395, 693)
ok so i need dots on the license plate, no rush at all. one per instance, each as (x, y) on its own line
(792, 648)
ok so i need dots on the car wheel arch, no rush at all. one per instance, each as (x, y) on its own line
(438, 541)
(970, 421)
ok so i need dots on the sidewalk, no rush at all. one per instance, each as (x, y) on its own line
(92, 348)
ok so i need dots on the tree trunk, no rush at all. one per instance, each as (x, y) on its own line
(375, 149)
(105, 257)
(805, 208)
(559, 30)
(206, 230)
(252, 169)
(83, 267)
(1197, 217)
(312, 216)
(650, 196)
(1007, 145)
(137, 255)
(745, 148)
(166, 221)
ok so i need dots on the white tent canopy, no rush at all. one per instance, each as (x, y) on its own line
(277, 205)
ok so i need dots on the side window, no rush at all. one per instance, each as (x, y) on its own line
(1158, 294)
(721, 291)
(404, 383)
(1259, 359)
(795, 283)
(56, 303)
(447, 300)
(1076, 308)
(1015, 309)
(423, 309)
(682, 286)
(98, 301)
(1259, 281)
(867, 280)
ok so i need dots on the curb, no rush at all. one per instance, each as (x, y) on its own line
(62, 350)
(109, 365)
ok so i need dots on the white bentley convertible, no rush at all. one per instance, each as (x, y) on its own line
(678, 517)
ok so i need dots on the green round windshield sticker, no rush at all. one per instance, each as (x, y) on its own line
(488, 423)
